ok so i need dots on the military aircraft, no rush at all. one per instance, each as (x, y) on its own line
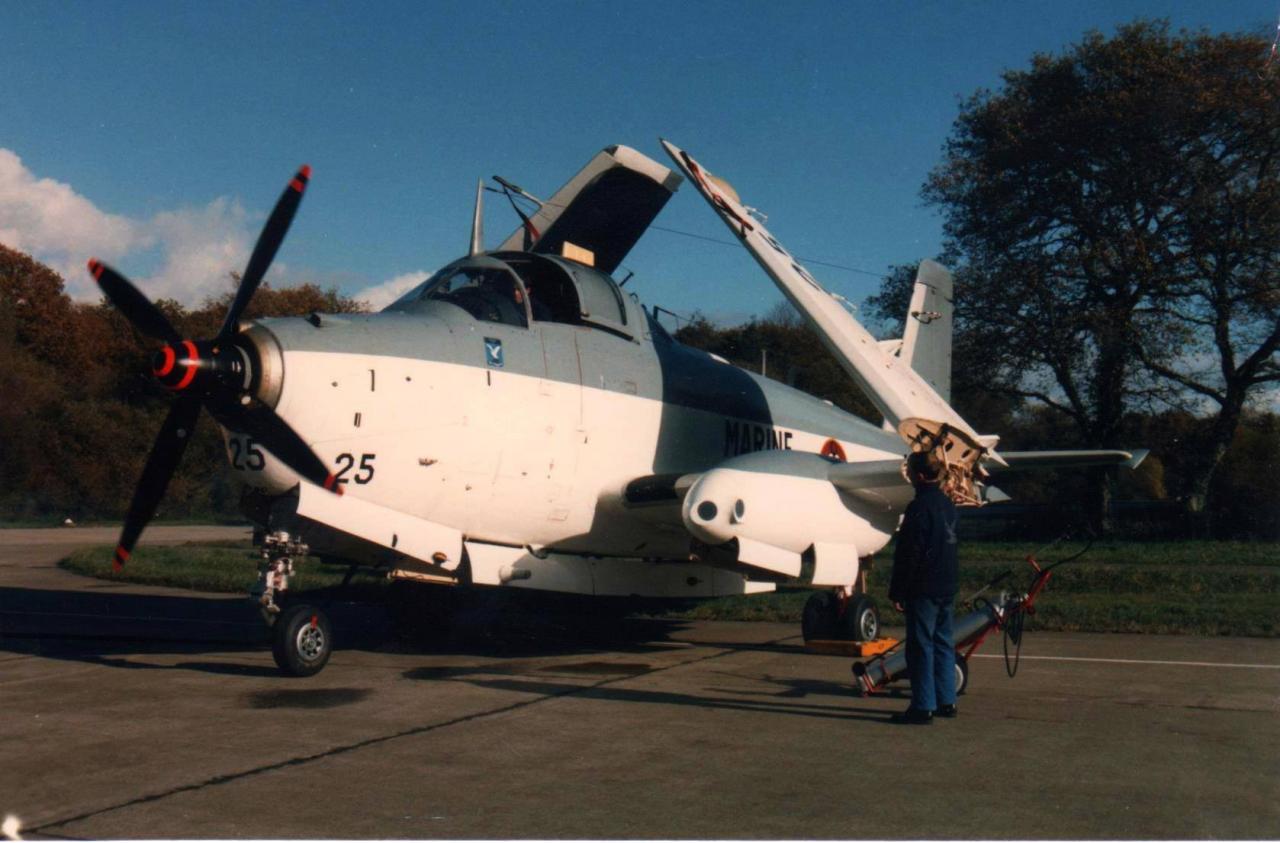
(519, 421)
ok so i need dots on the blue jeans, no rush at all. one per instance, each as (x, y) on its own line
(931, 654)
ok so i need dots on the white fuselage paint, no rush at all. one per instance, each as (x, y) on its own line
(516, 459)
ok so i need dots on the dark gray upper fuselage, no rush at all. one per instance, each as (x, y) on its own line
(583, 331)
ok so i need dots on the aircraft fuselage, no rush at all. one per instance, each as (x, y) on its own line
(527, 434)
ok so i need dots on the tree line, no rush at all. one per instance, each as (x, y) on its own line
(1112, 215)
(1155, 501)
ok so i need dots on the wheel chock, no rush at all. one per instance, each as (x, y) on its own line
(860, 649)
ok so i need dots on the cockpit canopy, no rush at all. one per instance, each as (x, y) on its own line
(516, 288)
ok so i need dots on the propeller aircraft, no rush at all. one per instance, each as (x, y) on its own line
(518, 421)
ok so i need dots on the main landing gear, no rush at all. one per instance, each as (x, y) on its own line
(835, 616)
(301, 635)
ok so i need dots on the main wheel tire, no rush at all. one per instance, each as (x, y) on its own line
(962, 675)
(861, 619)
(818, 621)
(301, 640)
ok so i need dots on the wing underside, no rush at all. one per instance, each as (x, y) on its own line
(605, 208)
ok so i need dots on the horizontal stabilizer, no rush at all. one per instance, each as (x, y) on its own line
(994, 494)
(1031, 460)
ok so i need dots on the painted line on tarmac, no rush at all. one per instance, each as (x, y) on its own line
(1131, 661)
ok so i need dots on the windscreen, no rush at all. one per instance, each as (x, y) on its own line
(489, 293)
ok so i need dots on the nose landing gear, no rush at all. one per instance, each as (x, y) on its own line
(301, 640)
(301, 635)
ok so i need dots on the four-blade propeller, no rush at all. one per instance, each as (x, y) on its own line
(209, 373)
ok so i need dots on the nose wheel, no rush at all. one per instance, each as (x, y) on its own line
(301, 640)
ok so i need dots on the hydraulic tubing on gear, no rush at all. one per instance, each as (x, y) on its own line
(1007, 613)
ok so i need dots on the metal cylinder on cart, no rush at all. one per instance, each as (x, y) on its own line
(884, 669)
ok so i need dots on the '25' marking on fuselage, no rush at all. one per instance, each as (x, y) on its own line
(246, 455)
(346, 462)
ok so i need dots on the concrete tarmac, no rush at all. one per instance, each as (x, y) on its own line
(139, 712)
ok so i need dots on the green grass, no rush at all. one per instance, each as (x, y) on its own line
(1201, 587)
(228, 566)
(1198, 587)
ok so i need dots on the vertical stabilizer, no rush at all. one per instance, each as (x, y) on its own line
(926, 342)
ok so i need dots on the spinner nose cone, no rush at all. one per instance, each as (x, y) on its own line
(203, 366)
(177, 364)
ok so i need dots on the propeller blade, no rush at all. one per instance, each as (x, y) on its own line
(165, 454)
(268, 243)
(259, 421)
(136, 307)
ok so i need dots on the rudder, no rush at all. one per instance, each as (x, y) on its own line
(926, 342)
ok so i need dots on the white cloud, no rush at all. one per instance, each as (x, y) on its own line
(201, 247)
(197, 247)
(380, 295)
(49, 220)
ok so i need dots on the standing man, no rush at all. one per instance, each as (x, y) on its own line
(924, 585)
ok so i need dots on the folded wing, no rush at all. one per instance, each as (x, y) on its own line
(605, 208)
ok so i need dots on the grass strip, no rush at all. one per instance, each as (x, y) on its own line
(1152, 587)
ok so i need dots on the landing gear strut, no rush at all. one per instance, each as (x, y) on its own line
(301, 636)
(279, 549)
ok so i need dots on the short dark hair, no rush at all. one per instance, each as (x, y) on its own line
(921, 465)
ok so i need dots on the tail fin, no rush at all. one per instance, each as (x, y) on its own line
(926, 342)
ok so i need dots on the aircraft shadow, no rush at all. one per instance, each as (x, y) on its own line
(606, 692)
(106, 626)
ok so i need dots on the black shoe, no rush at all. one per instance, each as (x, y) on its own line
(947, 710)
(914, 716)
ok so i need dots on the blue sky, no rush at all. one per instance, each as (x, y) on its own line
(158, 135)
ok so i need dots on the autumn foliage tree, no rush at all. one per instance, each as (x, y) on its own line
(80, 409)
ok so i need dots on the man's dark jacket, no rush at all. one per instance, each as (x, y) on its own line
(924, 560)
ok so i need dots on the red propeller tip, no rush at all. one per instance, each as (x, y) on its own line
(331, 483)
(299, 182)
(117, 561)
(95, 268)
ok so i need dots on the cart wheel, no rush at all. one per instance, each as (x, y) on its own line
(818, 622)
(301, 640)
(962, 674)
(861, 621)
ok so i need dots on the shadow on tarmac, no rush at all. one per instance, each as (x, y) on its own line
(608, 693)
(105, 627)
